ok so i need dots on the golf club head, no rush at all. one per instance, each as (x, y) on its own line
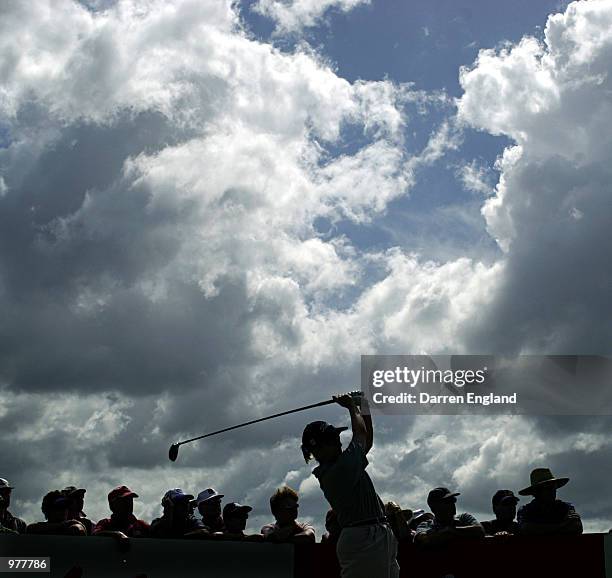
(173, 452)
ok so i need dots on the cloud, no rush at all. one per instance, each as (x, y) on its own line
(291, 16)
(551, 98)
(475, 178)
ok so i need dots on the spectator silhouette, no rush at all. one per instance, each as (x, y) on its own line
(122, 523)
(504, 507)
(8, 522)
(208, 503)
(177, 520)
(55, 509)
(545, 514)
(446, 526)
(397, 521)
(235, 517)
(76, 497)
(284, 505)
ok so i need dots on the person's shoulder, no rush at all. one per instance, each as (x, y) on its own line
(37, 527)
(142, 524)
(101, 525)
(568, 508)
(526, 508)
(488, 525)
(17, 524)
(355, 452)
(194, 523)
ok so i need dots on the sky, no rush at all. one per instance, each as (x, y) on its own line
(209, 210)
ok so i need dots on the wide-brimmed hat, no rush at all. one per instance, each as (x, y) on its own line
(542, 477)
(205, 495)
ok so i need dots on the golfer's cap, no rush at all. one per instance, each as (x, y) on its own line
(176, 495)
(4, 484)
(439, 495)
(121, 492)
(207, 494)
(319, 431)
(72, 490)
(504, 496)
(235, 509)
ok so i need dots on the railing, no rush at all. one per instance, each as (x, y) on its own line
(512, 557)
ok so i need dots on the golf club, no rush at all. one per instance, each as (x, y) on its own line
(174, 448)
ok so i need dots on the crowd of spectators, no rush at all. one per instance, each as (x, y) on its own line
(204, 517)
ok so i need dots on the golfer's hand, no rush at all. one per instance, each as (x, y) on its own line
(346, 400)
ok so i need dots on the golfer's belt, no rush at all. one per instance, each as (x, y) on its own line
(368, 522)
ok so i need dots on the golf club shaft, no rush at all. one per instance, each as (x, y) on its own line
(326, 402)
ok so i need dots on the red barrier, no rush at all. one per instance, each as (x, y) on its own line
(509, 557)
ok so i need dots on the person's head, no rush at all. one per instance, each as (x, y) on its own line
(546, 493)
(235, 517)
(284, 505)
(55, 506)
(442, 503)
(321, 441)
(5, 494)
(177, 502)
(331, 523)
(209, 504)
(75, 497)
(504, 505)
(543, 486)
(121, 501)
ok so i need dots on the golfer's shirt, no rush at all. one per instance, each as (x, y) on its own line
(348, 487)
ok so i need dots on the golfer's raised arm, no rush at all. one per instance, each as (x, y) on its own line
(361, 432)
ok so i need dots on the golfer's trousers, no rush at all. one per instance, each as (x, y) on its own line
(368, 552)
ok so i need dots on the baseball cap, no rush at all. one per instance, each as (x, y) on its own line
(121, 492)
(4, 484)
(176, 495)
(440, 494)
(207, 494)
(317, 432)
(235, 509)
(70, 490)
(503, 496)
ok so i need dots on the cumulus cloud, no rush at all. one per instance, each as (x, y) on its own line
(550, 211)
(291, 16)
(161, 179)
